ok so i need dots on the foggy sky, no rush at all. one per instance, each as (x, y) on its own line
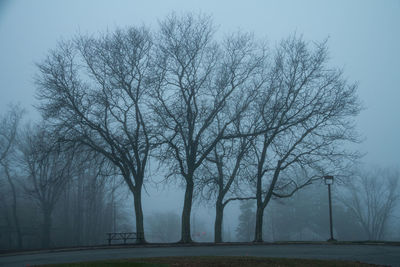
(364, 40)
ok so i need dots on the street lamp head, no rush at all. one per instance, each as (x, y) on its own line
(328, 179)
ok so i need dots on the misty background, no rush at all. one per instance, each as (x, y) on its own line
(362, 37)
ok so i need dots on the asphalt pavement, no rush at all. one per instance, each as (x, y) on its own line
(376, 254)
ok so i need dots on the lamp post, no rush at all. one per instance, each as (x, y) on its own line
(328, 181)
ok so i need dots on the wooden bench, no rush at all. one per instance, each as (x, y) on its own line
(122, 236)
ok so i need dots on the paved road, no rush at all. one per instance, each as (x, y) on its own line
(387, 255)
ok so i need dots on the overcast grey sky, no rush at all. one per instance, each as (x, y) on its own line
(364, 39)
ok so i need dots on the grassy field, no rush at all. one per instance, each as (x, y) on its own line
(211, 261)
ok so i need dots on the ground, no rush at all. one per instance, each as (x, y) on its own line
(373, 254)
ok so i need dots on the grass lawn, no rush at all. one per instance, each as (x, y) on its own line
(211, 261)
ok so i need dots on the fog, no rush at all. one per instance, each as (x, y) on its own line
(362, 40)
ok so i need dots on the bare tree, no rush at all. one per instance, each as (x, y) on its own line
(307, 110)
(89, 190)
(221, 176)
(372, 197)
(196, 78)
(9, 125)
(93, 90)
(48, 168)
(85, 210)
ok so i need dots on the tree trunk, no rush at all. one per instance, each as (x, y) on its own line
(46, 227)
(259, 223)
(261, 205)
(137, 197)
(219, 213)
(67, 215)
(187, 208)
(78, 213)
(14, 207)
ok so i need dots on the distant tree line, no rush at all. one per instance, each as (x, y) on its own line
(51, 194)
(360, 211)
(231, 118)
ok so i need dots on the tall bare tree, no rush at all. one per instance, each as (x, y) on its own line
(9, 125)
(222, 174)
(372, 197)
(88, 190)
(48, 168)
(93, 91)
(197, 78)
(307, 108)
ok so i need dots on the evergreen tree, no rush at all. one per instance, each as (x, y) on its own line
(247, 222)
